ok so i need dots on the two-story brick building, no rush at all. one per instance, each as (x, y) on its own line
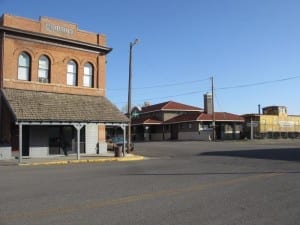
(52, 80)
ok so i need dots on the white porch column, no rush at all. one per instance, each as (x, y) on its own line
(20, 142)
(251, 130)
(78, 128)
(124, 138)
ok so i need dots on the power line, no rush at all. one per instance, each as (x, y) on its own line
(221, 88)
(178, 95)
(162, 85)
(171, 96)
(258, 83)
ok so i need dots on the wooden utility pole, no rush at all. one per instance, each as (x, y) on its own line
(129, 95)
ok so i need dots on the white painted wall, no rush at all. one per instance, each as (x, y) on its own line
(91, 138)
(38, 142)
(5, 152)
(102, 147)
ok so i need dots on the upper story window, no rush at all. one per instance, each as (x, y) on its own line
(24, 63)
(72, 73)
(44, 68)
(88, 75)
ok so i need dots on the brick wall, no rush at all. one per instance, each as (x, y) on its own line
(59, 56)
(40, 27)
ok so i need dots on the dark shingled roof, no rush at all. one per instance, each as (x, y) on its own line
(169, 106)
(219, 116)
(139, 121)
(34, 106)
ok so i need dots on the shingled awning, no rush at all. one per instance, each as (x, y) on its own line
(42, 107)
(45, 108)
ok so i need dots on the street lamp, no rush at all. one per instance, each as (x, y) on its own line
(129, 93)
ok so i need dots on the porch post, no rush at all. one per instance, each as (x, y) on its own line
(251, 130)
(20, 142)
(78, 128)
(234, 131)
(124, 138)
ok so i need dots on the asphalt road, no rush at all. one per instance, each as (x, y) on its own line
(182, 183)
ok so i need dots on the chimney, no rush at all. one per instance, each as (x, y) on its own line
(146, 104)
(208, 103)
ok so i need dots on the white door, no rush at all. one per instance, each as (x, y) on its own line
(91, 138)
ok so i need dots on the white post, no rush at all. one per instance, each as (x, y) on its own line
(251, 125)
(124, 138)
(20, 143)
(78, 128)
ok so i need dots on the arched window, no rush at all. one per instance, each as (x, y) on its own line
(44, 68)
(72, 73)
(88, 75)
(24, 66)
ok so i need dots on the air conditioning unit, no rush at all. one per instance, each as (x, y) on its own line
(43, 80)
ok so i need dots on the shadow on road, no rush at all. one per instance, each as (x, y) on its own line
(212, 173)
(288, 154)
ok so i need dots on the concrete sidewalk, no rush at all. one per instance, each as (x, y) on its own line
(71, 159)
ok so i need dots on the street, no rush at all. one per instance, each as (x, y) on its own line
(179, 183)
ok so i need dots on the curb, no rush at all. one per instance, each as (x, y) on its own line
(75, 161)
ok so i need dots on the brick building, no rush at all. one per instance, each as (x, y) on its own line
(52, 80)
(176, 121)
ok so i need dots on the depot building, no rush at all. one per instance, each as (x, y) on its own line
(52, 80)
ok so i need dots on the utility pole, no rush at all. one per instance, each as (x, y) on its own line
(129, 95)
(213, 110)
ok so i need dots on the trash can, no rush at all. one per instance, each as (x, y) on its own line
(118, 150)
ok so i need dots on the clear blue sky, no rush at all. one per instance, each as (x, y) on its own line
(251, 47)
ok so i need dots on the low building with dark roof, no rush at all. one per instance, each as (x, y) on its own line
(52, 82)
(176, 121)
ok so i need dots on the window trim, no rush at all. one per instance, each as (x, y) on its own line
(74, 74)
(90, 76)
(48, 69)
(26, 67)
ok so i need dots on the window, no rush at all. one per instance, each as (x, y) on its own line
(88, 75)
(72, 73)
(24, 66)
(43, 69)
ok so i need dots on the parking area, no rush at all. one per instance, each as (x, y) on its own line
(285, 149)
(180, 183)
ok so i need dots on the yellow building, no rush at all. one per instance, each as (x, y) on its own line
(274, 122)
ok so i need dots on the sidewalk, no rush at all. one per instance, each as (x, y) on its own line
(71, 159)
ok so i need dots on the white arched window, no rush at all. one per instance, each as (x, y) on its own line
(88, 75)
(24, 66)
(44, 69)
(72, 73)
